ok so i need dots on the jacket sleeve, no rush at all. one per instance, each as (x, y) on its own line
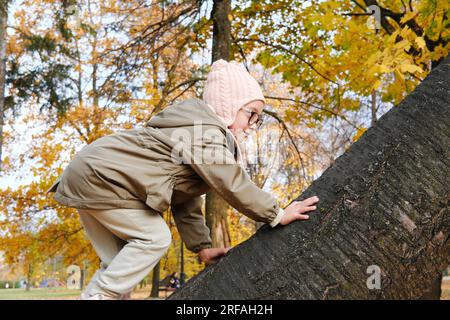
(215, 164)
(190, 223)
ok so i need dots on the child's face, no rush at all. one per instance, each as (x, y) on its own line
(241, 123)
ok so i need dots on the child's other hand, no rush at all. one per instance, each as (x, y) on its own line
(295, 210)
(212, 255)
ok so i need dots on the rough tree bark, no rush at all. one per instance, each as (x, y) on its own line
(385, 203)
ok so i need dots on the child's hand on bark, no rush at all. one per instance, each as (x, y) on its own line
(212, 255)
(296, 210)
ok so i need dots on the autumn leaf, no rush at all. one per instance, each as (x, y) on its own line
(411, 68)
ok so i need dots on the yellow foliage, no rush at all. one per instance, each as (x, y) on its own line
(359, 133)
(323, 48)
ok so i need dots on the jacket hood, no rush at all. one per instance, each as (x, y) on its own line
(186, 113)
(191, 112)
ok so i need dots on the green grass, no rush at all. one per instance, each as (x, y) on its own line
(138, 294)
(39, 294)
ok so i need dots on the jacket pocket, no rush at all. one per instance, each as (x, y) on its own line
(159, 194)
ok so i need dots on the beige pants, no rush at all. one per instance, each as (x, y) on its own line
(129, 242)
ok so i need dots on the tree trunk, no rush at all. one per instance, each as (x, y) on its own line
(373, 108)
(182, 274)
(3, 24)
(434, 293)
(216, 208)
(216, 219)
(382, 228)
(221, 42)
(29, 277)
(155, 282)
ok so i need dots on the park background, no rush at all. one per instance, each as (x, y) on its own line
(78, 70)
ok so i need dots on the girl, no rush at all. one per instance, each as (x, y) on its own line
(122, 183)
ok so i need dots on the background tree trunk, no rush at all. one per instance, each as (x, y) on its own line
(216, 208)
(216, 219)
(221, 42)
(383, 212)
(29, 277)
(155, 282)
(3, 36)
(373, 108)
(182, 274)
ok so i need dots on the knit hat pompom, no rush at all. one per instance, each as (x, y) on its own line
(228, 88)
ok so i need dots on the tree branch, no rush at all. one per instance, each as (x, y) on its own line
(285, 127)
(316, 107)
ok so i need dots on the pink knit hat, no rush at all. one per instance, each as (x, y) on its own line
(228, 88)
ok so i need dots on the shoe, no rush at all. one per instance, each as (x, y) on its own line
(97, 296)
(125, 296)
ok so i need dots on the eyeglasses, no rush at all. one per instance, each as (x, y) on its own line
(255, 118)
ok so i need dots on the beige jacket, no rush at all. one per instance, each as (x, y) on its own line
(179, 155)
